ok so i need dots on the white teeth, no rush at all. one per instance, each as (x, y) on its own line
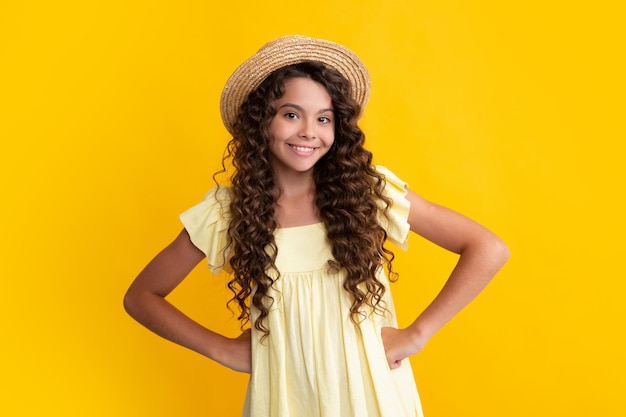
(302, 149)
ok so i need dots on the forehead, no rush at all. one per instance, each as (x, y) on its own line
(304, 89)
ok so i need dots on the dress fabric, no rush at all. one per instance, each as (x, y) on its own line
(315, 362)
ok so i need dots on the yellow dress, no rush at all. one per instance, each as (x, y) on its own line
(315, 363)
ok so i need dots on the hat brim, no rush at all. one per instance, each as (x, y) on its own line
(285, 51)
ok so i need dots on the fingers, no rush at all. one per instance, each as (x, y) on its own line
(392, 343)
(237, 355)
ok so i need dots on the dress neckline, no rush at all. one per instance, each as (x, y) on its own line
(301, 226)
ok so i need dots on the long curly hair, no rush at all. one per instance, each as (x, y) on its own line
(347, 189)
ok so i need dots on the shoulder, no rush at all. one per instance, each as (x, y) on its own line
(215, 203)
(207, 225)
(221, 194)
(394, 188)
(393, 217)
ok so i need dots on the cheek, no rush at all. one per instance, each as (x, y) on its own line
(277, 129)
(331, 137)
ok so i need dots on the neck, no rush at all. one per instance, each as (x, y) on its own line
(294, 183)
(295, 203)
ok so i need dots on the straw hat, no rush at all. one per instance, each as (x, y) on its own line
(285, 51)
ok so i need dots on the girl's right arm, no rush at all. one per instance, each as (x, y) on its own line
(145, 302)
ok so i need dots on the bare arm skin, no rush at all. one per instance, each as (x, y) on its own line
(145, 302)
(482, 254)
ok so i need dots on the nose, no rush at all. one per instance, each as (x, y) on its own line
(307, 129)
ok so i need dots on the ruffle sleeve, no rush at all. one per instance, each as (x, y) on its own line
(395, 221)
(207, 224)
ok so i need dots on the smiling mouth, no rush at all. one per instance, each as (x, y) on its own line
(302, 149)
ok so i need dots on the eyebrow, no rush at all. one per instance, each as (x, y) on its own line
(300, 109)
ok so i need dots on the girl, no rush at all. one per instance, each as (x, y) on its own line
(303, 229)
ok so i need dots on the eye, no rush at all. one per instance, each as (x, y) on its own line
(325, 120)
(291, 115)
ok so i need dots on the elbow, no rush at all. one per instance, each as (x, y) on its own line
(131, 303)
(499, 252)
(140, 302)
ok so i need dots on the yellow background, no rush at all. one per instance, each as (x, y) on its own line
(510, 113)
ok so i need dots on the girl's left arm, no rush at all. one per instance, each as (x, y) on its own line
(482, 254)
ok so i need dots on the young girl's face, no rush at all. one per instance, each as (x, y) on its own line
(303, 129)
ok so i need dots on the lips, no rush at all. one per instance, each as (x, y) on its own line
(303, 150)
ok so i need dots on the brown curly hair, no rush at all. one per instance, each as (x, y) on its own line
(347, 190)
